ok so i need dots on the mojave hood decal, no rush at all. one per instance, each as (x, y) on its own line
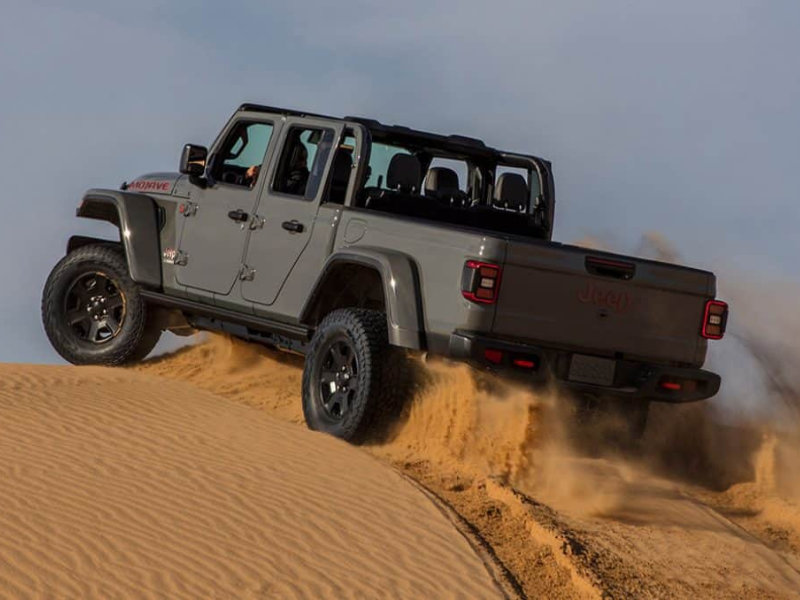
(154, 183)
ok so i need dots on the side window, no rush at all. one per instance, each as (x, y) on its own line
(380, 157)
(303, 160)
(242, 154)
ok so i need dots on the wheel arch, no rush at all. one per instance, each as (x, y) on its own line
(136, 217)
(398, 280)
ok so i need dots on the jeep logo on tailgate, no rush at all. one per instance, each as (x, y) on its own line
(620, 302)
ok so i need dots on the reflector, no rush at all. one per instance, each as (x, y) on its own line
(493, 356)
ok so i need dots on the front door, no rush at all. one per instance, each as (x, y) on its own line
(218, 217)
(289, 205)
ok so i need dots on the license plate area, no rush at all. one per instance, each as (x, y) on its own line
(592, 369)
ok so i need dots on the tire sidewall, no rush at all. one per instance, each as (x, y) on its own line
(80, 262)
(336, 325)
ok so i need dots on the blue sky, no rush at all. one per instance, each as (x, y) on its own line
(680, 117)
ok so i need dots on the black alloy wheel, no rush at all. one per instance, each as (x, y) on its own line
(94, 308)
(338, 380)
(352, 376)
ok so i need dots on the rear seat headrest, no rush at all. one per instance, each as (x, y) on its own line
(511, 191)
(404, 173)
(441, 181)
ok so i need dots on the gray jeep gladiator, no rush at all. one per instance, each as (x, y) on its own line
(348, 240)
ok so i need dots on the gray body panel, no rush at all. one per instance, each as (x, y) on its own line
(273, 251)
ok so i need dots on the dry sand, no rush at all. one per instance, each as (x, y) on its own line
(151, 482)
(564, 525)
(118, 484)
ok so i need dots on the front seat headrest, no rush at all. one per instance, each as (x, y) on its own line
(511, 191)
(342, 166)
(404, 173)
(441, 181)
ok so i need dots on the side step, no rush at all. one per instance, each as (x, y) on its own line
(203, 316)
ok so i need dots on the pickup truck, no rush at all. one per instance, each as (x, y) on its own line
(352, 242)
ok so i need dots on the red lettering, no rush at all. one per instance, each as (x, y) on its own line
(146, 186)
(619, 301)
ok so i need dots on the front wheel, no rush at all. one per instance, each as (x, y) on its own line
(92, 310)
(349, 374)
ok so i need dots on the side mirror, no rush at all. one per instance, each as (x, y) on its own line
(193, 160)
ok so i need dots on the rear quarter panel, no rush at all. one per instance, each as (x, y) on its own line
(438, 253)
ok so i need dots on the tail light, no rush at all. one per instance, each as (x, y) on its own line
(480, 282)
(715, 318)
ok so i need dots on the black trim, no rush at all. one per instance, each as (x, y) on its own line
(636, 380)
(289, 330)
(137, 219)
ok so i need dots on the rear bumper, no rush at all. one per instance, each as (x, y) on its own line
(632, 379)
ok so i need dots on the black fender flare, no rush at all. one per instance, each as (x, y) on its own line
(136, 217)
(401, 290)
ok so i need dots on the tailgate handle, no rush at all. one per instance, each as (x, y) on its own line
(605, 267)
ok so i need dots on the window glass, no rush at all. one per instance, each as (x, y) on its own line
(303, 161)
(380, 157)
(242, 154)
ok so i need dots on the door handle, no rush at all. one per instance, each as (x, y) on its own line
(292, 226)
(238, 215)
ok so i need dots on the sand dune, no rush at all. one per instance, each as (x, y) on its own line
(485, 447)
(120, 484)
(149, 482)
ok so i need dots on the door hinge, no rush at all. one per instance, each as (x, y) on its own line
(188, 209)
(173, 256)
(257, 222)
(247, 273)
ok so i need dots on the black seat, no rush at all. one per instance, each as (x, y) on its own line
(404, 174)
(511, 192)
(340, 175)
(441, 183)
(402, 179)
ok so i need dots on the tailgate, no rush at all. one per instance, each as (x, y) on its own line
(604, 303)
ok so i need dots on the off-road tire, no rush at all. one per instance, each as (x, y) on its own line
(379, 384)
(137, 333)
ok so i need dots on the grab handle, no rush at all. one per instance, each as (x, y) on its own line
(605, 267)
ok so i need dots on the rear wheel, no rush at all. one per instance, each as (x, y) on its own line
(92, 310)
(349, 374)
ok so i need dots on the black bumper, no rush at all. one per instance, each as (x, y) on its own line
(632, 379)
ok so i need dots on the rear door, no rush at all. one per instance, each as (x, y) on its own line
(575, 298)
(216, 217)
(289, 203)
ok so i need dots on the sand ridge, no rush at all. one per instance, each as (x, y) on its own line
(490, 449)
(122, 484)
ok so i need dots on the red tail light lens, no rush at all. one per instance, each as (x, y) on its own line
(524, 363)
(715, 319)
(480, 282)
(493, 356)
